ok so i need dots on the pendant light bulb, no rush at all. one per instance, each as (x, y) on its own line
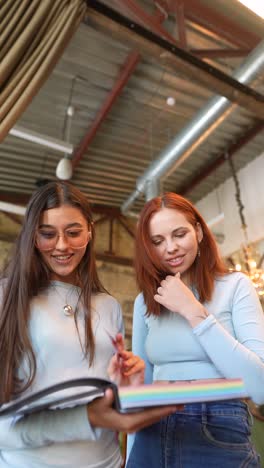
(64, 169)
(170, 101)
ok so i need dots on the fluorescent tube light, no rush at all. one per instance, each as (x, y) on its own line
(11, 208)
(34, 137)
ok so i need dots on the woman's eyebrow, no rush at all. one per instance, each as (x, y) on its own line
(180, 228)
(50, 226)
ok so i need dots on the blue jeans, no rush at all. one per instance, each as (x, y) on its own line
(202, 435)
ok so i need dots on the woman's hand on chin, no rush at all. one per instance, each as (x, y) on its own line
(174, 295)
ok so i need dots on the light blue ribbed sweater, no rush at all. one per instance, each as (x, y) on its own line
(63, 438)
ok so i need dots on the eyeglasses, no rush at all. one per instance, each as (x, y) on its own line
(48, 239)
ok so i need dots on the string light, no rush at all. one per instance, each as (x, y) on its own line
(252, 266)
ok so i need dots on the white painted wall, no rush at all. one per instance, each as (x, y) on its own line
(251, 181)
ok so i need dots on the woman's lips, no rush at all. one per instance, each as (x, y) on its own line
(175, 261)
(62, 259)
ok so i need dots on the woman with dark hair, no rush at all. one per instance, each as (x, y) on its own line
(194, 320)
(55, 322)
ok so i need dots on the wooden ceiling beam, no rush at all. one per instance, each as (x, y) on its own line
(180, 15)
(220, 53)
(126, 71)
(147, 20)
(219, 24)
(13, 197)
(178, 60)
(183, 9)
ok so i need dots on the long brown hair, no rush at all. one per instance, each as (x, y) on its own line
(149, 271)
(26, 274)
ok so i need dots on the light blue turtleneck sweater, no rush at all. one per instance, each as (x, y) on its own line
(63, 438)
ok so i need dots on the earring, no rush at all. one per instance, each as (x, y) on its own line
(198, 252)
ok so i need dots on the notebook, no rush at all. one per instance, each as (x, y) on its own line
(76, 392)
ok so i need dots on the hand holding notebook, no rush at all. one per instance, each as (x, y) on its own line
(128, 398)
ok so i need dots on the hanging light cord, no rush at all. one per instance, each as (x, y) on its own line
(240, 210)
(238, 196)
(254, 272)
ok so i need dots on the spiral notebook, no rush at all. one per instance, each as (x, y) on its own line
(126, 399)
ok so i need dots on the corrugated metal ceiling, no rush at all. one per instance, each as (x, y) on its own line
(140, 123)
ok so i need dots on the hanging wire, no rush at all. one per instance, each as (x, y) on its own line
(238, 197)
(240, 211)
(67, 116)
(253, 269)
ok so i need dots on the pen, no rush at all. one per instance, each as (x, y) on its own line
(114, 343)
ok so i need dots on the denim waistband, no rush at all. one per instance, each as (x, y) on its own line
(227, 407)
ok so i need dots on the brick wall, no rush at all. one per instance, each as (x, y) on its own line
(120, 282)
(5, 248)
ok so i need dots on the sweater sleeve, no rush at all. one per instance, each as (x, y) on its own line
(46, 427)
(139, 335)
(241, 356)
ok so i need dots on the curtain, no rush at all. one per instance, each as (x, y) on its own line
(33, 36)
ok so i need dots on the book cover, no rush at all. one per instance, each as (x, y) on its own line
(126, 399)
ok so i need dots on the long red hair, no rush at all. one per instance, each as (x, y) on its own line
(149, 271)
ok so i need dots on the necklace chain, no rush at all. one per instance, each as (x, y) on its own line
(67, 309)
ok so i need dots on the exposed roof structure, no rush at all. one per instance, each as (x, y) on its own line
(124, 62)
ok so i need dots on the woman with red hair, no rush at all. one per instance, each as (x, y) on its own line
(194, 320)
